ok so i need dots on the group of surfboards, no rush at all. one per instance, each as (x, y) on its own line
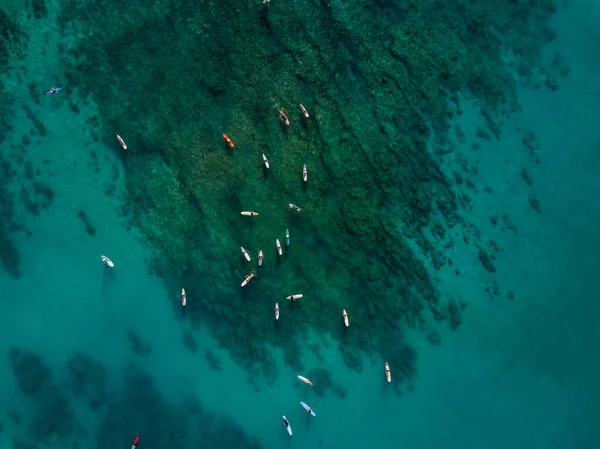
(304, 405)
(108, 263)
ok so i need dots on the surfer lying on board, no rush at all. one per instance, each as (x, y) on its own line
(294, 207)
(135, 442)
(53, 91)
(285, 422)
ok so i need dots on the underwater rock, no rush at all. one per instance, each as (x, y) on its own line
(486, 260)
(189, 341)
(434, 337)
(30, 370)
(165, 423)
(454, 310)
(88, 379)
(53, 419)
(213, 361)
(138, 346)
(86, 222)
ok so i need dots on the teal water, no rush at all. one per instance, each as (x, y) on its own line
(521, 370)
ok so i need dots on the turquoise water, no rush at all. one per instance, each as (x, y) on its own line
(520, 371)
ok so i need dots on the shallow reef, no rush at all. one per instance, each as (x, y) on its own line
(172, 76)
(120, 407)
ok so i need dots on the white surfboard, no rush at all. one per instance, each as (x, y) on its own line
(260, 258)
(106, 261)
(276, 311)
(279, 250)
(248, 279)
(295, 297)
(246, 255)
(305, 380)
(345, 315)
(304, 173)
(249, 213)
(287, 426)
(266, 161)
(307, 408)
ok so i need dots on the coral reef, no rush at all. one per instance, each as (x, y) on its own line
(138, 346)
(377, 90)
(165, 424)
(88, 379)
(53, 418)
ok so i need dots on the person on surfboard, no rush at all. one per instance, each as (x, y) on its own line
(54, 90)
(135, 442)
(285, 422)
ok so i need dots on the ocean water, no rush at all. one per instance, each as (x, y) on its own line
(95, 356)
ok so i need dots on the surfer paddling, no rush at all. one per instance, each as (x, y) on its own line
(54, 90)
(305, 380)
(228, 140)
(294, 207)
(286, 423)
(249, 213)
(304, 173)
(295, 297)
(276, 311)
(135, 442)
(308, 409)
(282, 115)
(183, 297)
(303, 109)
(122, 142)
(260, 258)
(388, 373)
(248, 278)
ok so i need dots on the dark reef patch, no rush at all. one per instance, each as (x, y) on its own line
(165, 424)
(138, 346)
(88, 379)
(86, 222)
(181, 77)
(30, 371)
(53, 418)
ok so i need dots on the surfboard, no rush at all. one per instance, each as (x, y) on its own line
(246, 255)
(266, 161)
(295, 297)
(106, 261)
(304, 111)
(304, 173)
(122, 142)
(249, 213)
(276, 311)
(287, 236)
(248, 279)
(287, 426)
(183, 297)
(305, 380)
(279, 250)
(345, 315)
(260, 258)
(388, 373)
(307, 408)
